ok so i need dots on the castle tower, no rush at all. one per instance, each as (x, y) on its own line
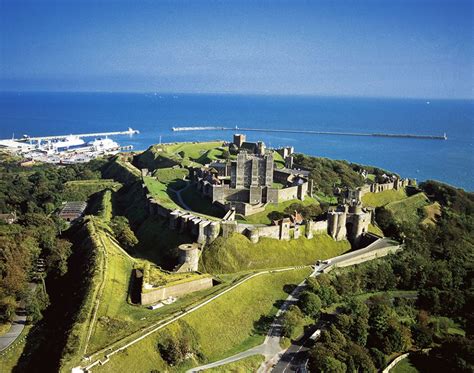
(269, 170)
(239, 139)
(261, 148)
(189, 255)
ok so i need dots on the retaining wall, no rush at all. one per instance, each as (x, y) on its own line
(153, 296)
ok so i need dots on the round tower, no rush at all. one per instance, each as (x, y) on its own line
(189, 255)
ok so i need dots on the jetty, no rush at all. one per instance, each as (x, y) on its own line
(129, 131)
(309, 132)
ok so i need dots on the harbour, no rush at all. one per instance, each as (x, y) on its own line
(310, 132)
(66, 149)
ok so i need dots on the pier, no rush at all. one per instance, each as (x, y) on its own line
(129, 131)
(309, 132)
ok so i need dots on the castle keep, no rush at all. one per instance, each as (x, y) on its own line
(250, 182)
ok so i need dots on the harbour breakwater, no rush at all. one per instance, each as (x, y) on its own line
(309, 132)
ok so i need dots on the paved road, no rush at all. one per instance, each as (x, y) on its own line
(18, 324)
(15, 330)
(295, 356)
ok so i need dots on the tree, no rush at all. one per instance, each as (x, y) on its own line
(360, 358)
(122, 231)
(378, 358)
(57, 258)
(456, 352)
(310, 304)
(290, 320)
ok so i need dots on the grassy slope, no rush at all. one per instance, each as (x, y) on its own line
(375, 230)
(172, 177)
(237, 253)
(249, 364)
(262, 217)
(409, 210)
(166, 155)
(382, 198)
(160, 192)
(432, 212)
(223, 327)
(81, 190)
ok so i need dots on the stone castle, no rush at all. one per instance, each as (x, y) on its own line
(249, 183)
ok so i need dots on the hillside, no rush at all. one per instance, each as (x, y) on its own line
(237, 253)
(184, 154)
(237, 320)
(383, 198)
(409, 210)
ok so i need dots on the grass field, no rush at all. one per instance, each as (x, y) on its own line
(409, 210)
(237, 253)
(262, 217)
(249, 364)
(382, 198)
(228, 325)
(192, 151)
(172, 177)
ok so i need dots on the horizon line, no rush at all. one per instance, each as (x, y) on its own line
(263, 94)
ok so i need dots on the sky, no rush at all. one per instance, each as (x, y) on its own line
(377, 48)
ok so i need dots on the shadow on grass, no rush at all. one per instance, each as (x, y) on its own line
(262, 325)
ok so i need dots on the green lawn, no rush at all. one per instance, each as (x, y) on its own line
(249, 364)
(409, 210)
(192, 150)
(161, 193)
(237, 253)
(382, 198)
(172, 177)
(262, 217)
(223, 327)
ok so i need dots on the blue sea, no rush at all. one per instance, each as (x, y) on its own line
(450, 161)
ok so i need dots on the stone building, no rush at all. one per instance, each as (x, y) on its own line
(349, 221)
(249, 183)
